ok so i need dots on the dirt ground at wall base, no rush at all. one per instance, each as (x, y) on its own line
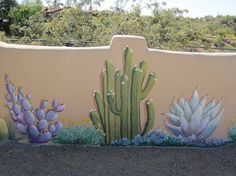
(72, 160)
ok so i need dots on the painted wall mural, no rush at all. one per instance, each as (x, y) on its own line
(119, 105)
(132, 106)
(194, 117)
(39, 124)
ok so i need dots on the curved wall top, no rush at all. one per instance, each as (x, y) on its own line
(72, 74)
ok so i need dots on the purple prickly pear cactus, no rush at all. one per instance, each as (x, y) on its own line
(39, 124)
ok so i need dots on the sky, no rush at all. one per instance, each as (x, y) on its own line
(196, 8)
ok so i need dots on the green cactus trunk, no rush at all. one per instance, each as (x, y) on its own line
(119, 107)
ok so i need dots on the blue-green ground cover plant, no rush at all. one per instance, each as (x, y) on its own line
(232, 133)
(83, 135)
(159, 138)
(39, 124)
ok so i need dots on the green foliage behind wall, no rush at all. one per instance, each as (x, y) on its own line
(165, 29)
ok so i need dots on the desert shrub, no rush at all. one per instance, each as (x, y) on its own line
(232, 133)
(3, 37)
(11, 131)
(83, 135)
(3, 129)
(157, 138)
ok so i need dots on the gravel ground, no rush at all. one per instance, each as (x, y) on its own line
(69, 160)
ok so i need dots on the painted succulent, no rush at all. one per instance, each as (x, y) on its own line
(3, 129)
(39, 124)
(194, 117)
(232, 133)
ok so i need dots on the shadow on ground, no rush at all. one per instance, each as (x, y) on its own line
(69, 160)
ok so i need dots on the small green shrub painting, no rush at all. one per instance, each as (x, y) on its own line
(3, 129)
(84, 135)
(232, 133)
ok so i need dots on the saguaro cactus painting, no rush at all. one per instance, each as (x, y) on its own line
(118, 105)
(39, 124)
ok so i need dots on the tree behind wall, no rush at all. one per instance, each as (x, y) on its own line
(5, 20)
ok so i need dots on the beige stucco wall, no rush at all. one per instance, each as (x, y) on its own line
(72, 74)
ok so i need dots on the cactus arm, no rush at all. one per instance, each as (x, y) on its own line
(117, 89)
(143, 66)
(106, 108)
(150, 117)
(110, 75)
(135, 105)
(128, 55)
(100, 106)
(96, 120)
(149, 85)
(128, 61)
(110, 87)
(118, 102)
(112, 104)
(124, 106)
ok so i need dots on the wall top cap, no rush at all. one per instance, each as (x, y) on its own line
(117, 42)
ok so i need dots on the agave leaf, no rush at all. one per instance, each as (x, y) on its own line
(210, 105)
(172, 111)
(206, 109)
(187, 111)
(196, 118)
(173, 119)
(195, 100)
(203, 125)
(184, 124)
(203, 101)
(216, 109)
(176, 130)
(181, 102)
(211, 126)
(177, 109)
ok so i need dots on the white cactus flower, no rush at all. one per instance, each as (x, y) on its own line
(194, 117)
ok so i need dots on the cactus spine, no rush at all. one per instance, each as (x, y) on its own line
(119, 106)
